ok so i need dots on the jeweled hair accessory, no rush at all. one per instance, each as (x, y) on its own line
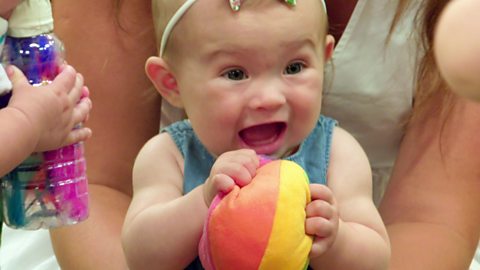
(234, 5)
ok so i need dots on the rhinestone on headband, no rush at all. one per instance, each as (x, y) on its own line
(235, 4)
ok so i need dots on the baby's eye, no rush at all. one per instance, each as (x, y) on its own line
(294, 68)
(235, 75)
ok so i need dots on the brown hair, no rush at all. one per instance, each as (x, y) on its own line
(429, 83)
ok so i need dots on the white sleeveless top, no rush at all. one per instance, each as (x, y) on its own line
(369, 83)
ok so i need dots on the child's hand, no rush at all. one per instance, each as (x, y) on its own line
(231, 168)
(322, 219)
(53, 110)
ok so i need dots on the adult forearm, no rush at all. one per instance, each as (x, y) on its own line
(420, 246)
(98, 37)
(431, 206)
(165, 236)
(94, 243)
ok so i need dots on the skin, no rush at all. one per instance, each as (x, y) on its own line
(42, 118)
(457, 49)
(430, 204)
(248, 83)
(6, 8)
(111, 54)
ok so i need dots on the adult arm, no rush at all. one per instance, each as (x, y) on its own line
(111, 54)
(432, 204)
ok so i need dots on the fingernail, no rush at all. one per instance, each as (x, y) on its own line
(85, 92)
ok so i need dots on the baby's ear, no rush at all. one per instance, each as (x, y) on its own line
(329, 46)
(163, 79)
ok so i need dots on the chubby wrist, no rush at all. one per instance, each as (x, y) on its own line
(30, 131)
(202, 199)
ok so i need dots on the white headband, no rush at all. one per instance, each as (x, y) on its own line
(235, 5)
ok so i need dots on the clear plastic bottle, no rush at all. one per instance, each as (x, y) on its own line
(48, 189)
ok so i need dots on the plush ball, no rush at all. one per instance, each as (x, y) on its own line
(261, 225)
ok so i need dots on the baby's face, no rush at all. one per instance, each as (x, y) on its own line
(252, 79)
(6, 7)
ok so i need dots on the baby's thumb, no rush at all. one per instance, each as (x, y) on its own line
(16, 76)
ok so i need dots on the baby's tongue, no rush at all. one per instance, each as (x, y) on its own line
(260, 135)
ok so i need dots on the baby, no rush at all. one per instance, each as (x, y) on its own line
(249, 76)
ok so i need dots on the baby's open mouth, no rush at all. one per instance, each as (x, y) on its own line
(263, 134)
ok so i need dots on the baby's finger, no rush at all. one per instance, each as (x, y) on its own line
(218, 183)
(320, 208)
(240, 174)
(81, 111)
(62, 66)
(85, 92)
(254, 163)
(250, 161)
(78, 135)
(319, 247)
(321, 192)
(243, 156)
(318, 226)
(77, 90)
(16, 76)
(65, 80)
(223, 183)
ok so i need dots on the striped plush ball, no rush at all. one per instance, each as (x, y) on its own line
(261, 225)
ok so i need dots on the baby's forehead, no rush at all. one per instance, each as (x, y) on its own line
(203, 17)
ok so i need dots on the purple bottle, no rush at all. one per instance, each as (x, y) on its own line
(48, 189)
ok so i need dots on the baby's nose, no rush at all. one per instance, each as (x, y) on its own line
(268, 96)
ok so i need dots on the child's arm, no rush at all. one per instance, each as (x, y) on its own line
(42, 118)
(457, 47)
(163, 226)
(348, 230)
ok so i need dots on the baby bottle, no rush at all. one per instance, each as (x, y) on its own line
(48, 189)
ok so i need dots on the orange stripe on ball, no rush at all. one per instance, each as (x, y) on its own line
(241, 224)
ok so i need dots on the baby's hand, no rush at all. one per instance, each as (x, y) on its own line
(231, 168)
(53, 110)
(322, 219)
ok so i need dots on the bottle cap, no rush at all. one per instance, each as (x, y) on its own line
(31, 18)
